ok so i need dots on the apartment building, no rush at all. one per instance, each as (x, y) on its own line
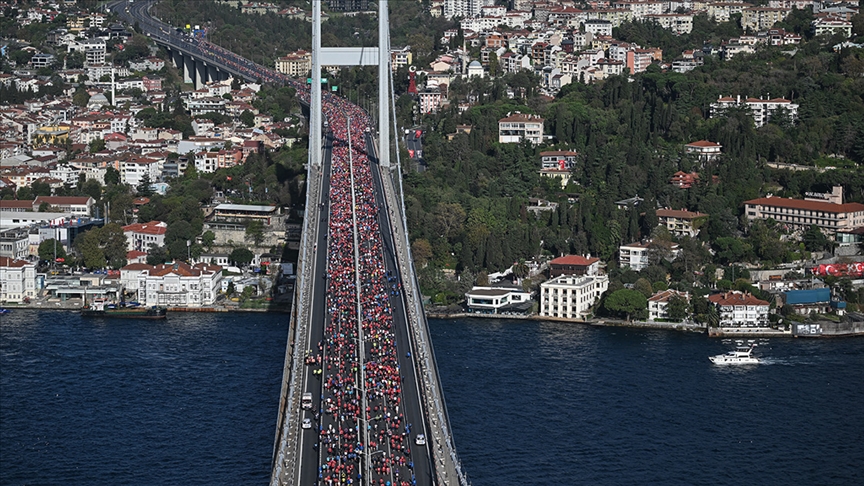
(571, 297)
(681, 222)
(517, 126)
(761, 109)
(659, 302)
(179, 284)
(826, 211)
(141, 236)
(17, 280)
(740, 309)
(296, 64)
(574, 265)
(762, 18)
(704, 150)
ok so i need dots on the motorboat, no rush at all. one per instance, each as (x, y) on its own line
(740, 356)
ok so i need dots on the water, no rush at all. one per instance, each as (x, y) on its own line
(192, 400)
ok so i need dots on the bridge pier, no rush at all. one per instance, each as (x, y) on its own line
(212, 73)
(200, 74)
(189, 70)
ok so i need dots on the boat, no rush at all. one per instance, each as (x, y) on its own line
(4, 311)
(100, 308)
(740, 356)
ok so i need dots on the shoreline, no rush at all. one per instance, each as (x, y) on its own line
(713, 332)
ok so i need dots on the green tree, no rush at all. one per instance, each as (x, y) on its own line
(113, 243)
(248, 118)
(814, 239)
(48, 248)
(255, 232)
(80, 98)
(644, 287)
(87, 245)
(112, 176)
(241, 256)
(421, 250)
(207, 239)
(96, 145)
(677, 308)
(626, 302)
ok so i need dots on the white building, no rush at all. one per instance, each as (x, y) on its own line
(657, 303)
(740, 309)
(17, 280)
(140, 236)
(179, 284)
(129, 275)
(634, 256)
(762, 109)
(516, 127)
(571, 297)
(498, 300)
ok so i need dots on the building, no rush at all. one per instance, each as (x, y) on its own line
(809, 301)
(76, 205)
(571, 297)
(15, 243)
(678, 23)
(826, 211)
(829, 26)
(517, 126)
(633, 256)
(348, 5)
(430, 100)
(179, 284)
(761, 109)
(498, 300)
(574, 265)
(740, 309)
(400, 56)
(681, 222)
(465, 8)
(17, 280)
(659, 302)
(129, 275)
(297, 64)
(762, 18)
(704, 150)
(141, 236)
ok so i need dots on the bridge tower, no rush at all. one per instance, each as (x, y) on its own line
(351, 56)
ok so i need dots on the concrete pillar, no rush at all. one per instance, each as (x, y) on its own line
(383, 85)
(315, 101)
(188, 70)
(200, 74)
(177, 58)
(212, 73)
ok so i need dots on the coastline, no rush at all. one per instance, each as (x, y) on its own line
(824, 329)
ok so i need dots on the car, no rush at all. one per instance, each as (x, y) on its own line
(420, 439)
(307, 423)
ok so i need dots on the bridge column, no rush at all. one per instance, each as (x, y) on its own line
(212, 73)
(189, 70)
(177, 58)
(383, 85)
(200, 74)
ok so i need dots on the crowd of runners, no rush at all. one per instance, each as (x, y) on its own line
(346, 427)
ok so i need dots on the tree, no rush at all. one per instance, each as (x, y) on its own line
(44, 207)
(241, 256)
(421, 250)
(677, 308)
(49, 248)
(113, 243)
(157, 255)
(627, 302)
(143, 187)
(87, 245)
(80, 98)
(112, 176)
(247, 118)
(207, 239)
(814, 239)
(96, 145)
(255, 232)
(449, 218)
(644, 287)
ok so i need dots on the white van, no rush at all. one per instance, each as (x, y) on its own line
(306, 402)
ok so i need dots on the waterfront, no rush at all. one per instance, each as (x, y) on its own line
(192, 400)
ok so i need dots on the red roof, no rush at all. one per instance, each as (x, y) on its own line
(680, 214)
(703, 143)
(9, 262)
(521, 117)
(577, 260)
(15, 203)
(62, 200)
(735, 298)
(782, 202)
(151, 228)
(131, 255)
(555, 153)
(136, 266)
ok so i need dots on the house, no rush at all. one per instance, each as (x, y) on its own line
(17, 280)
(574, 265)
(704, 150)
(517, 126)
(761, 109)
(179, 284)
(77, 205)
(740, 309)
(129, 275)
(658, 303)
(141, 236)
(571, 297)
(683, 180)
(809, 301)
(15, 242)
(498, 300)
(826, 211)
(636, 255)
(681, 222)
(295, 64)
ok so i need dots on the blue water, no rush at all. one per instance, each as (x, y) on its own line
(192, 400)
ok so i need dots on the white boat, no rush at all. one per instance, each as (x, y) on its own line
(741, 355)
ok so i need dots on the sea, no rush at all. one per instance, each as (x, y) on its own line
(193, 400)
